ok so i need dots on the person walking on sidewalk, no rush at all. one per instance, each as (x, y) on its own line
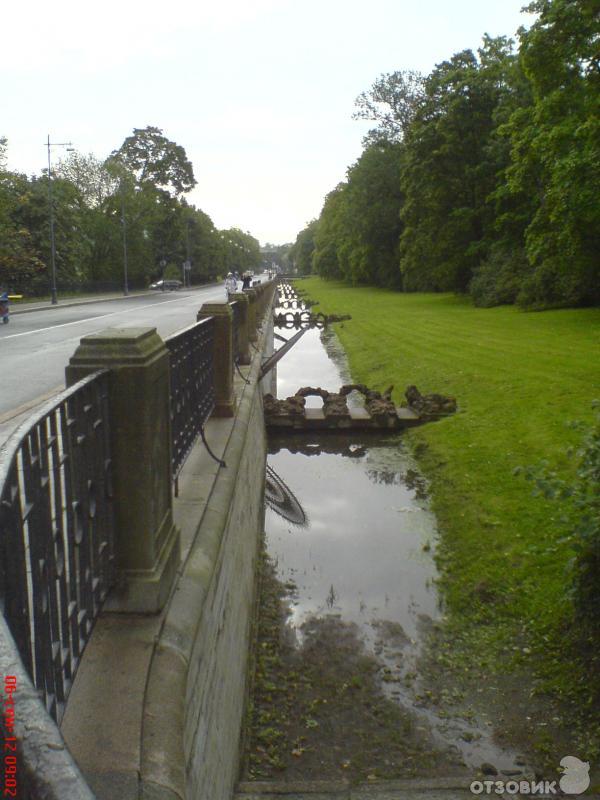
(230, 284)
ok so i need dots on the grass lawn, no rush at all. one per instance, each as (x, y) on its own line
(518, 379)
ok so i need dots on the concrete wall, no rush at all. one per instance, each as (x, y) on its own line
(216, 686)
(197, 686)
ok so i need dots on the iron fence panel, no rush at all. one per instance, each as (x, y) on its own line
(192, 387)
(57, 533)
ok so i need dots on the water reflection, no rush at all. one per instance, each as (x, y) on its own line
(282, 500)
(364, 552)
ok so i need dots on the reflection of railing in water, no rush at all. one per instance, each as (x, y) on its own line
(305, 319)
(333, 444)
(282, 500)
(56, 534)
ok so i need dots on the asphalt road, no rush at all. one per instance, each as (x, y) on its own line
(36, 346)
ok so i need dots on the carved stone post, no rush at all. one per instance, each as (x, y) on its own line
(223, 356)
(252, 314)
(243, 333)
(147, 547)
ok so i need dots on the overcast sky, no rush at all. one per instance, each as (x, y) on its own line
(260, 93)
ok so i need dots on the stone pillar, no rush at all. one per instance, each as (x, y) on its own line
(147, 547)
(244, 338)
(260, 304)
(223, 356)
(252, 314)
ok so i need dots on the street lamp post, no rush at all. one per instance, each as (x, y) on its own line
(124, 227)
(49, 145)
(188, 262)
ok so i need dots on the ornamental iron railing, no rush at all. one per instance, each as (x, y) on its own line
(57, 533)
(192, 387)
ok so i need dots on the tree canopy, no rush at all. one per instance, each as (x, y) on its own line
(134, 197)
(481, 177)
(154, 159)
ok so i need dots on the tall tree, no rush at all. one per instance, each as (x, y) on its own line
(240, 250)
(449, 173)
(154, 159)
(301, 253)
(556, 152)
(391, 102)
(94, 181)
(331, 236)
(21, 263)
(373, 225)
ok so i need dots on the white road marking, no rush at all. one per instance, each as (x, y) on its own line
(87, 319)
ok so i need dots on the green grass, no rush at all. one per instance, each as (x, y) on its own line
(518, 379)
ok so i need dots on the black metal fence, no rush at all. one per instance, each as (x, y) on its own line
(56, 534)
(192, 387)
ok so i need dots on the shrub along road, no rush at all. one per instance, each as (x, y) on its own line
(519, 378)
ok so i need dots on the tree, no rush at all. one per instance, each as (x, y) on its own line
(372, 209)
(331, 236)
(450, 169)
(20, 262)
(92, 177)
(154, 159)
(301, 253)
(556, 153)
(391, 102)
(240, 251)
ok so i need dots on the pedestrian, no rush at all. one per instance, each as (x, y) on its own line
(230, 284)
(4, 313)
(246, 280)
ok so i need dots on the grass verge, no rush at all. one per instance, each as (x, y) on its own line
(519, 378)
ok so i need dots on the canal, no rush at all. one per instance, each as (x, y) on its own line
(349, 607)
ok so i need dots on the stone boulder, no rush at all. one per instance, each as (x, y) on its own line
(429, 406)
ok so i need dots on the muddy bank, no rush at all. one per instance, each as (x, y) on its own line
(318, 710)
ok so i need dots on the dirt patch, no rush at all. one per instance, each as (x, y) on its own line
(318, 712)
(505, 702)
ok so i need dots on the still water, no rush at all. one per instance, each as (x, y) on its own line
(360, 544)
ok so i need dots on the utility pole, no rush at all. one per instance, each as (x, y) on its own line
(49, 144)
(188, 262)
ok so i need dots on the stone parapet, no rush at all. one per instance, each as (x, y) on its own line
(222, 356)
(146, 540)
(253, 313)
(244, 327)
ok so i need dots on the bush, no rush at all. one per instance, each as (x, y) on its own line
(582, 503)
(497, 280)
